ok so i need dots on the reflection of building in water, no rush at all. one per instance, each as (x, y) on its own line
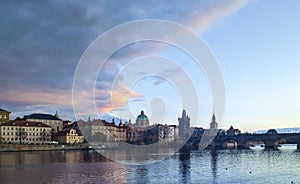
(73, 156)
(214, 159)
(185, 165)
(184, 126)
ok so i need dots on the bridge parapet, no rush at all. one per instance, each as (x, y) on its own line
(271, 141)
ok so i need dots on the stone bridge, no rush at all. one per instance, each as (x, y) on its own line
(244, 140)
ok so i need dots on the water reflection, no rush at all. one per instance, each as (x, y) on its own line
(214, 158)
(208, 166)
(142, 175)
(185, 165)
(19, 158)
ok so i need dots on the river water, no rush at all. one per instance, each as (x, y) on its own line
(222, 166)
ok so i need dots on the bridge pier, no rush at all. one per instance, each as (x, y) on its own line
(270, 145)
(298, 145)
(243, 145)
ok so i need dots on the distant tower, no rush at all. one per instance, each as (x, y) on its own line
(184, 125)
(213, 124)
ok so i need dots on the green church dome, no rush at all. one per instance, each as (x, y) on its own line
(142, 117)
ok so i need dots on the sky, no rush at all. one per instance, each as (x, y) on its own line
(256, 44)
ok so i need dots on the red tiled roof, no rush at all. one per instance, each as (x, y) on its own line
(98, 122)
(25, 123)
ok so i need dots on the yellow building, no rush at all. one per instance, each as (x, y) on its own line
(4, 116)
(69, 136)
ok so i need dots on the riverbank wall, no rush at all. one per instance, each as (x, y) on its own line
(41, 147)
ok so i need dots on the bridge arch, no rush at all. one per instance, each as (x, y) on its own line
(246, 144)
(229, 143)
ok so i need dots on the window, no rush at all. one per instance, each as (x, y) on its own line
(57, 128)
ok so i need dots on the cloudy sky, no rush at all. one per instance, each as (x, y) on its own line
(256, 44)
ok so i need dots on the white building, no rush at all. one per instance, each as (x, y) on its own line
(25, 132)
(167, 133)
(52, 120)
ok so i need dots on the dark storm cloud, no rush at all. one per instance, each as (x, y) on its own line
(42, 41)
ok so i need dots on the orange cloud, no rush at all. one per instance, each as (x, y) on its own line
(117, 98)
(37, 97)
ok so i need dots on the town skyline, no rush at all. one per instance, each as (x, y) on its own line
(118, 120)
(255, 46)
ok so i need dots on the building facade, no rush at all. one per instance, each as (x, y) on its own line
(48, 119)
(233, 131)
(166, 133)
(4, 116)
(102, 131)
(25, 132)
(69, 136)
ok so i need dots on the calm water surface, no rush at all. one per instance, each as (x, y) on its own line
(222, 166)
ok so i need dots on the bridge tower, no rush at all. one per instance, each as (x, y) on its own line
(213, 124)
(184, 125)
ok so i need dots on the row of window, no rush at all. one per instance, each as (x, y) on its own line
(24, 133)
(33, 129)
(4, 116)
(27, 139)
(72, 137)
